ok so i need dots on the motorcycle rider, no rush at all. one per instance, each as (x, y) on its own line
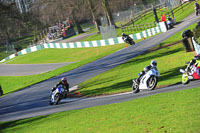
(153, 64)
(64, 84)
(196, 61)
(126, 38)
(169, 22)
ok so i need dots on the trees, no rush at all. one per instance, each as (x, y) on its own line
(36, 14)
(11, 21)
(108, 13)
(92, 10)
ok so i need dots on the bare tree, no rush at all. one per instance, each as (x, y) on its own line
(92, 10)
(108, 13)
(10, 21)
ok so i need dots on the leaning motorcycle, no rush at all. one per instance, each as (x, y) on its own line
(188, 74)
(57, 95)
(128, 40)
(147, 82)
(169, 23)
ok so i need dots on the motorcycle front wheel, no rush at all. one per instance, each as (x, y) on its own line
(152, 82)
(185, 79)
(57, 98)
(135, 88)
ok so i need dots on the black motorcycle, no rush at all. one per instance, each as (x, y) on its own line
(127, 39)
(170, 24)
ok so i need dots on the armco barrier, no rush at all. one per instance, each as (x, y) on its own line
(112, 41)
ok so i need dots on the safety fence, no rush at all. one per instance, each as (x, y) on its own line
(138, 27)
(161, 27)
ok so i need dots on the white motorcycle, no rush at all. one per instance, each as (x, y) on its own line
(147, 82)
(57, 95)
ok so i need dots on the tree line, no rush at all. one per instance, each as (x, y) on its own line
(17, 23)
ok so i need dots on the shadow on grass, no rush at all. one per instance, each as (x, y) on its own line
(105, 90)
(11, 124)
(149, 58)
(171, 73)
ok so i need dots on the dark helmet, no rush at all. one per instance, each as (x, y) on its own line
(64, 80)
(153, 63)
(123, 34)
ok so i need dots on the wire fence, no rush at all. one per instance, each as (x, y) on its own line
(138, 10)
(138, 27)
(108, 32)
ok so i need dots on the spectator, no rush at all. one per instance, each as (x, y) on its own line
(163, 19)
(60, 26)
(196, 8)
(50, 36)
(1, 91)
(64, 33)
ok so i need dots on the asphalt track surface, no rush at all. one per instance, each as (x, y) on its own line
(33, 101)
(28, 69)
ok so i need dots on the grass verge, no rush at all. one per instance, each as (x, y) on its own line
(90, 54)
(119, 79)
(166, 112)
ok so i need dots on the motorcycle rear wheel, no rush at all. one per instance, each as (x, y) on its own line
(185, 79)
(152, 82)
(132, 42)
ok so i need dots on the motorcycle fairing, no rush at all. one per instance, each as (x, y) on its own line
(143, 84)
(196, 73)
(57, 90)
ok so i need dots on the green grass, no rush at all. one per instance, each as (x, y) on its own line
(90, 54)
(177, 37)
(119, 79)
(63, 55)
(173, 112)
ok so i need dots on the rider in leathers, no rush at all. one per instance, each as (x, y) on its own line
(146, 69)
(64, 84)
(126, 38)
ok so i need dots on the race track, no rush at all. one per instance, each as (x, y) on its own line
(33, 101)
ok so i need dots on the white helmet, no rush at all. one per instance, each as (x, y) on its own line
(153, 63)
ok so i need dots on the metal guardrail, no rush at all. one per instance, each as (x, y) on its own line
(139, 27)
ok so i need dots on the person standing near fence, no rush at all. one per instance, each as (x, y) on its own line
(163, 19)
(196, 8)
